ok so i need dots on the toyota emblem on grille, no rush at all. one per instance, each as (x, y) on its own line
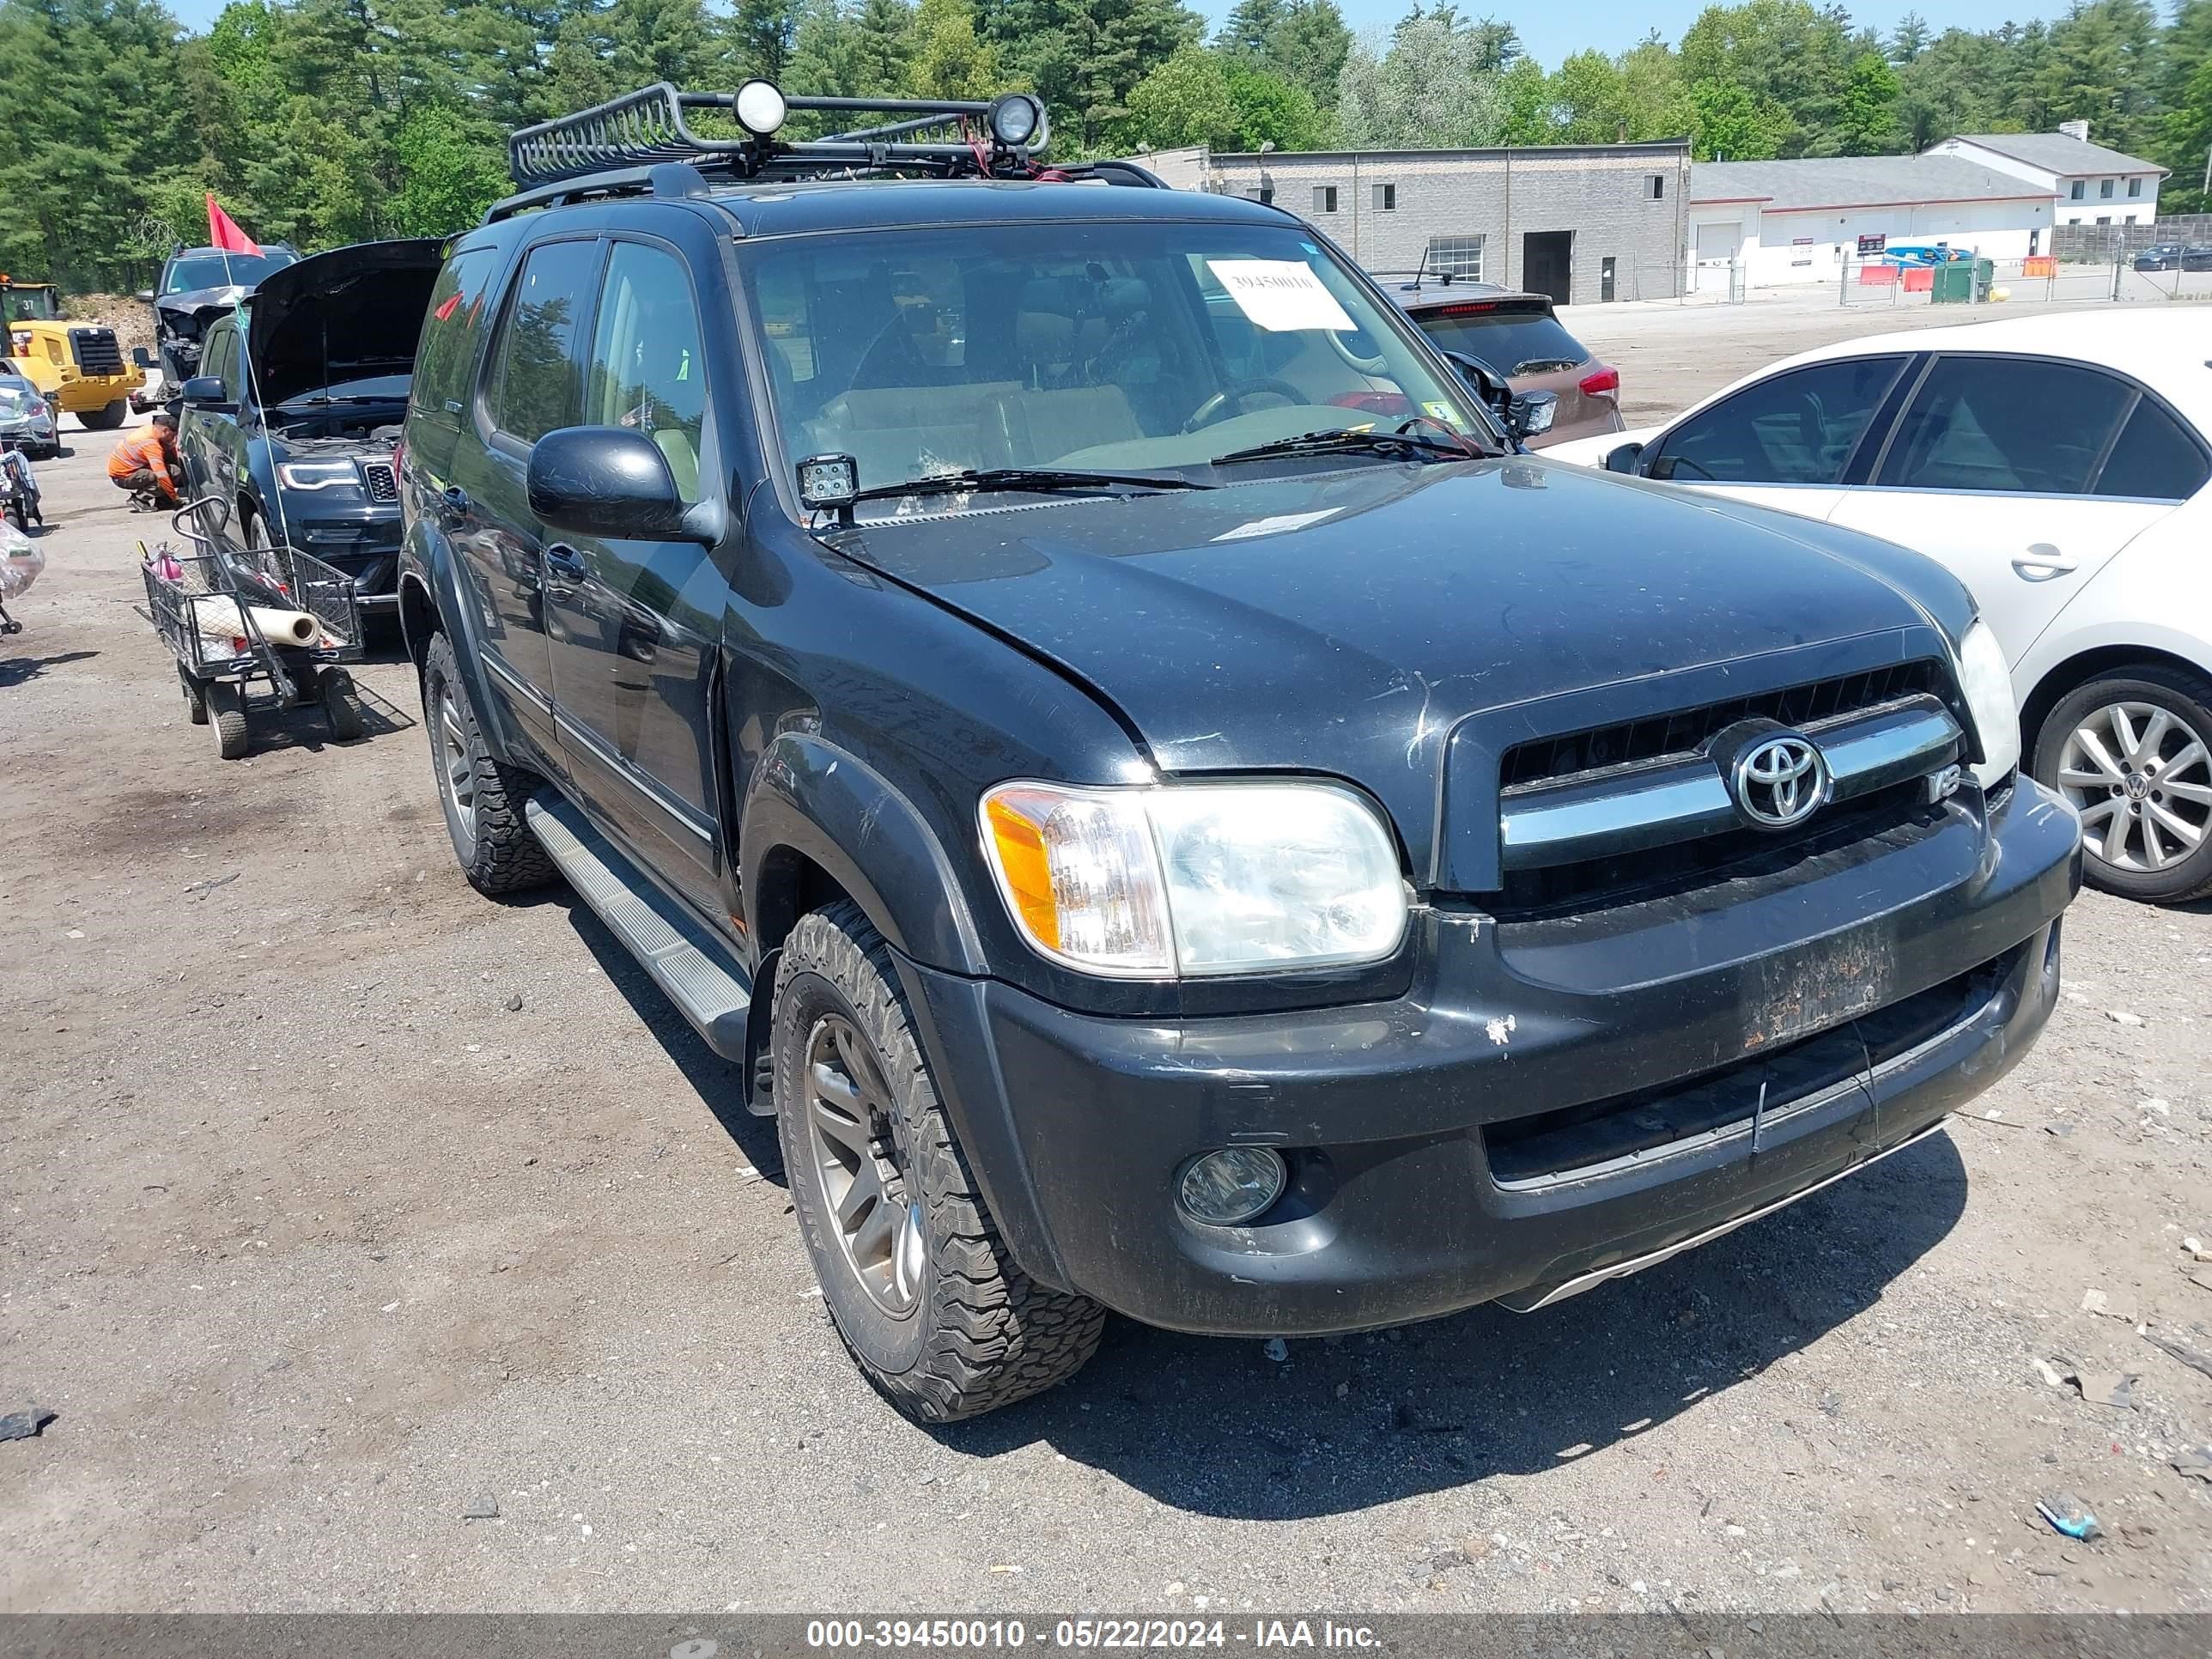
(1779, 779)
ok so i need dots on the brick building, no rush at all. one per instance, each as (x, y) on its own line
(1584, 223)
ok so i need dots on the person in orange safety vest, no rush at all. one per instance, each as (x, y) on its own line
(144, 461)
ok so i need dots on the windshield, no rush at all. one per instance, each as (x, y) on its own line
(223, 271)
(1511, 342)
(1121, 347)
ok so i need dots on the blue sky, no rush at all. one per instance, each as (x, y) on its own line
(1559, 27)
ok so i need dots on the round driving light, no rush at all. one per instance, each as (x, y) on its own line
(760, 107)
(1017, 119)
(1231, 1187)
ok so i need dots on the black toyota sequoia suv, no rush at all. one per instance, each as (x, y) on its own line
(1170, 808)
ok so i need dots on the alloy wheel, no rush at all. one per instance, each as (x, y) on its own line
(861, 1160)
(2141, 776)
(457, 772)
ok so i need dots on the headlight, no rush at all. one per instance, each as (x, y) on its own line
(1188, 879)
(1986, 683)
(317, 475)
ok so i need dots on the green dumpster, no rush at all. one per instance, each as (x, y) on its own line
(1963, 282)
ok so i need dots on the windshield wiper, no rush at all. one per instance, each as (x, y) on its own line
(1401, 443)
(1041, 480)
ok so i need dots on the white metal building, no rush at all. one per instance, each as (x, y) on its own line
(2088, 183)
(1765, 223)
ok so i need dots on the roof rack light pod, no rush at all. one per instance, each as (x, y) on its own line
(760, 107)
(1017, 121)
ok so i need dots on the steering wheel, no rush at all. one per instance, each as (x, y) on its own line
(1235, 393)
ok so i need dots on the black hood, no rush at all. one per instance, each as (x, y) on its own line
(349, 314)
(1347, 623)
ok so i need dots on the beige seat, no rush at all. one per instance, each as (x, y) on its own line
(905, 432)
(1031, 428)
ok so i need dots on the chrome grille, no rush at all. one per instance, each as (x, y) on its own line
(1661, 737)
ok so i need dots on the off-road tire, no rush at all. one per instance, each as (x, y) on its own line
(981, 1333)
(342, 707)
(226, 707)
(107, 417)
(500, 854)
(2185, 696)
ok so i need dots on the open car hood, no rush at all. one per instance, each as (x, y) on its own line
(187, 306)
(349, 314)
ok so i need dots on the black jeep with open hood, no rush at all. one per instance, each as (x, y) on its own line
(293, 418)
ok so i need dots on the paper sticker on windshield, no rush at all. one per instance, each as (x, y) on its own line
(1441, 411)
(1281, 295)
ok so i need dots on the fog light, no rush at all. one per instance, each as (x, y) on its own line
(1229, 1188)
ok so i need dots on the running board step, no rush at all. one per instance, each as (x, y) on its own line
(708, 988)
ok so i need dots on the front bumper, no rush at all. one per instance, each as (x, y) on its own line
(1553, 1102)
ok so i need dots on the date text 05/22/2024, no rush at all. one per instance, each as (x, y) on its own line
(1262, 1634)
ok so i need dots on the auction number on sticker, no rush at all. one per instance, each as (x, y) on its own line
(1137, 1633)
(915, 1633)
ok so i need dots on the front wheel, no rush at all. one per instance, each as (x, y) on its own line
(106, 419)
(2132, 750)
(938, 1316)
(483, 797)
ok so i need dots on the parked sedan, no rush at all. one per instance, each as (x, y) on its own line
(27, 421)
(292, 421)
(1518, 335)
(2167, 256)
(2059, 466)
(2196, 258)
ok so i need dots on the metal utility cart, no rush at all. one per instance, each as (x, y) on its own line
(203, 605)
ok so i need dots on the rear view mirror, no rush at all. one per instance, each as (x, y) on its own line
(1623, 458)
(613, 483)
(142, 357)
(144, 296)
(204, 391)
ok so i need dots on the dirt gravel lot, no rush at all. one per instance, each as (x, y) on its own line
(310, 1241)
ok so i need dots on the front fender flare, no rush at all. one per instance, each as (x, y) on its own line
(811, 797)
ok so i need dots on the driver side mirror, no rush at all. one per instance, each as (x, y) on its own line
(144, 296)
(1624, 457)
(613, 483)
(142, 357)
(206, 392)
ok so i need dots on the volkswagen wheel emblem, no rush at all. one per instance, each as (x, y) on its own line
(1779, 779)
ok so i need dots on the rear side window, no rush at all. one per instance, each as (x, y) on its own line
(2155, 457)
(2014, 424)
(1794, 429)
(1510, 342)
(450, 331)
(535, 384)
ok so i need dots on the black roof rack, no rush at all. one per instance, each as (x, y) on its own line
(642, 142)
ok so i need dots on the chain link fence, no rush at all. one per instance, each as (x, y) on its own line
(2045, 279)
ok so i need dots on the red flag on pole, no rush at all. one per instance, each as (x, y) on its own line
(223, 231)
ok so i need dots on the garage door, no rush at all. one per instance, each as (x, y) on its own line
(1717, 244)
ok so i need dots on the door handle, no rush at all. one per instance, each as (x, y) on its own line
(2042, 561)
(563, 560)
